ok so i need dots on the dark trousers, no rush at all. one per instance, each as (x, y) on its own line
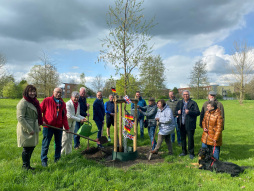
(26, 156)
(47, 136)
(76, 138)
(184, 134)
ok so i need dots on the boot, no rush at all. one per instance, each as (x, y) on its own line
(25, 159)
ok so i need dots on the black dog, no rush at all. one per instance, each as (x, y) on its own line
(208, 162)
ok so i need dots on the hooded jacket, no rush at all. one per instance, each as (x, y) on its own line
(166, 121)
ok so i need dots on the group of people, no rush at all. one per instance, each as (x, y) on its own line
(182, 116)
(52, 112)
(65, 118)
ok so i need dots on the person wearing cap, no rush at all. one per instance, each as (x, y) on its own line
(172, 102)
(150, 111)
(212, 97)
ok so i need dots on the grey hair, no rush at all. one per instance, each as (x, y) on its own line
(74, 94)
(110, 95)
(82, 88)
(186, 91)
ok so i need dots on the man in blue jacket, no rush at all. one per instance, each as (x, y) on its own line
(141, 103)
(110, 113)
(99, 113)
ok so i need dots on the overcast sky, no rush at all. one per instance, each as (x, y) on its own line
(69, 32)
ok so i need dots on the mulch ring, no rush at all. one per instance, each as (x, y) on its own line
(104, 156)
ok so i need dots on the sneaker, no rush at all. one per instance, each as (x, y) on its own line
(109, 140)
(182, 154)
(31, 168)
(191, 156)
(44, 164)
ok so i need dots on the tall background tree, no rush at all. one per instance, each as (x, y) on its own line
(45, 77)
(152, 76)
(243, 66)
(98, 83)
(198, 79)
(127, 42)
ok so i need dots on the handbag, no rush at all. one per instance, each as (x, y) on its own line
(146, 123)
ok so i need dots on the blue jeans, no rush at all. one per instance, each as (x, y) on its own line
(151, 132)
(75, 137)
(141, 125)
(99, 126)
(216, 151)
(47, 136)
(177, 132)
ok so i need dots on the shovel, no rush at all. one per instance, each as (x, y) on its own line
(101, 140)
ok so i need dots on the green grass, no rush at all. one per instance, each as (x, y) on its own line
(74, 172)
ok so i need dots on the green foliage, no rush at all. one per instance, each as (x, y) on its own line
(5, 79)
(75, 172)
(10, 90)
(152, 76)
(132, 87)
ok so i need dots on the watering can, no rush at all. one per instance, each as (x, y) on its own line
(85, 129)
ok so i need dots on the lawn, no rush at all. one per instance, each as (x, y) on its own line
(74, 172)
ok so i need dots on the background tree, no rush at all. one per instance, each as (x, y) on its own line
(4, 80)
(2, 62)
(98, 83)
(249, 90)
(198, 78)
(45, 77)
(82, 78)
(152, 76)
(10, 90)
(127, 42)
(133, 86)
(108, 85)
(242, 66)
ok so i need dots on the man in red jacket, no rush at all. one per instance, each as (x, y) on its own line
(54, 113)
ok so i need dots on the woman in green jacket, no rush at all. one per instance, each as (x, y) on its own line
(29, 120)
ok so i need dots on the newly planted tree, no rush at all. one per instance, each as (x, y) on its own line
(126, 45)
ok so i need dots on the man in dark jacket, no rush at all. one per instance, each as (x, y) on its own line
(110, 112)
(187, 111)
(84, 106)
(212, 97)
(172, 102)
(141, 103)
(99, 113)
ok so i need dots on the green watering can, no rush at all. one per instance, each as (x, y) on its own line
(85, 129)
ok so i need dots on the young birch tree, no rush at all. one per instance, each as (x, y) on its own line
(127, 42)
(242, 66)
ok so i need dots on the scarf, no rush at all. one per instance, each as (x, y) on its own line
(75, 106)
(36, 104)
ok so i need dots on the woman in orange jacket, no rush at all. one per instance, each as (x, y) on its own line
(212, 125)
